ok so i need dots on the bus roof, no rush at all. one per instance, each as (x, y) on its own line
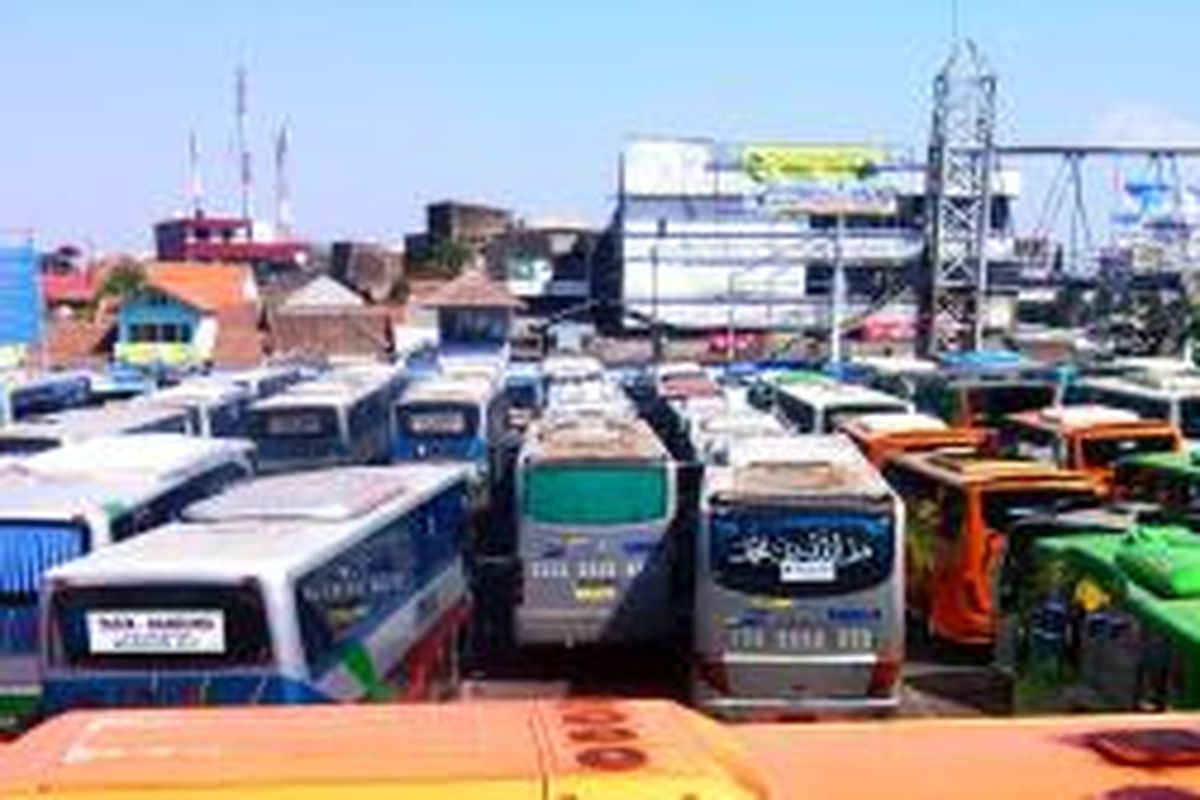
(568, 367)
(209, 390)
(249, 536)
(81, 423)
(896, 365)
(1184, 464)
(795, 466)
(895, 422)
(965, 468)
(1161, 385)
(27, 496)
(343, 385)
(330, 495)
(449, 389)
(170, 456)
(1089, 418)
(514, 750)
(588, 436)
(823, 394)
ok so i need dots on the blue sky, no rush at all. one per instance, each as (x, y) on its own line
(393, 104)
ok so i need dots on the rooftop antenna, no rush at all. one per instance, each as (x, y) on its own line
(283, 199)
(954, 20)
(245, 175)
(195, 185)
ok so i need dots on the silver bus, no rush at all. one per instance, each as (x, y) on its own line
(595, 497)
(799, 582)
(343, 417)
(77, 425)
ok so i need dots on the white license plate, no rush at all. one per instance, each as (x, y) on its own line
(156, 632)
(807, 571)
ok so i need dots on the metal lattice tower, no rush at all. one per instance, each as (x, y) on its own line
(953, 286)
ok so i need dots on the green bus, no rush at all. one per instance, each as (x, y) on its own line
(1168, 480)
(1104, 621)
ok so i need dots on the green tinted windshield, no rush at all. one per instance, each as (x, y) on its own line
(594, 494)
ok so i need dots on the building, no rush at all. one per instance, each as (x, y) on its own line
(547, 263)
(474, 313)
(20, 300)
(714, 234)
(183, 312)
(228, 240)
(467, 225)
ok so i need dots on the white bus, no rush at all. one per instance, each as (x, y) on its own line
(340, 585)
(61, 504)
(80, 424)
(1167, 395)
(216, 407)
(343, 417)
(821, 406)
(799, 582)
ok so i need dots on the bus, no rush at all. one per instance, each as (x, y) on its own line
(799, 599)
(960, 508)
(711, 431)
(30, 394)
(822, 406)
(216, 407)
(1168, 480)
(590, 748)
(268, 381)
(983, 399)
(445, 418)
(1086, 437)
(61, 504)
(1173, 397)
(1104, 621)
(524, 393)
(595, 497)
(333, 586)
(881, 436)
(897, 375)
(343, 417)
(77, 425)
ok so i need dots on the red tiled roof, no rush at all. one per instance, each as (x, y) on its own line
(208, 287)
(316, 331)
(472, 289)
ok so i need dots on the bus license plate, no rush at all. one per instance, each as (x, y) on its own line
(595, 593)
(156, 632)
(793, 571)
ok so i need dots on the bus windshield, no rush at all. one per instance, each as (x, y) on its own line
(799, 553)
(836, 415)
(157, 627)
(595, 494)
(27, 549)
(437, 420)
(1103, 451)
(990, 404)
(1005, 506)
(295, 423)
(1189, 418)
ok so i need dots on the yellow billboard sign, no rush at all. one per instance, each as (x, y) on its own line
(800, 163)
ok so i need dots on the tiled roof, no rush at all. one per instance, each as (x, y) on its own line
(472, 289)
(208, 287)
(239, 341)
(331, 331)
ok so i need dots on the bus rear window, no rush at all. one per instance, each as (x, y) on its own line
(436, 420)
(160, 627)
(310, 422)
(27, 549)
(990, 404)
(596, 494)
(1002, 508)
(800, 554)
(1189, 418)
(1100, 452)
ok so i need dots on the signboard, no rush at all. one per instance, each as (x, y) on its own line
(528, 275)
(803, 180)
(154, 632)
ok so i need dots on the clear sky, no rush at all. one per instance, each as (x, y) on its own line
(395, 103)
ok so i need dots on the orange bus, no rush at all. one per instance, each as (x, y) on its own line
(1091, 438)
(590, 750)
(881, 436)
(959, 509)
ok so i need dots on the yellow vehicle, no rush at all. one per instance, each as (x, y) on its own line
(590, 750)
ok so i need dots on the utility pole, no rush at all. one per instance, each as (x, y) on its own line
(838, 289)
(245, 175)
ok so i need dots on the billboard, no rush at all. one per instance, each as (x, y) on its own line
(803, 180)
(20, 296)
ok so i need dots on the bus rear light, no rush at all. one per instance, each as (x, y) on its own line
(884, 675)
(714, 673)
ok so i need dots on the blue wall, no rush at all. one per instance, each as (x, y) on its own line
(157, 309)
(20, 296)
